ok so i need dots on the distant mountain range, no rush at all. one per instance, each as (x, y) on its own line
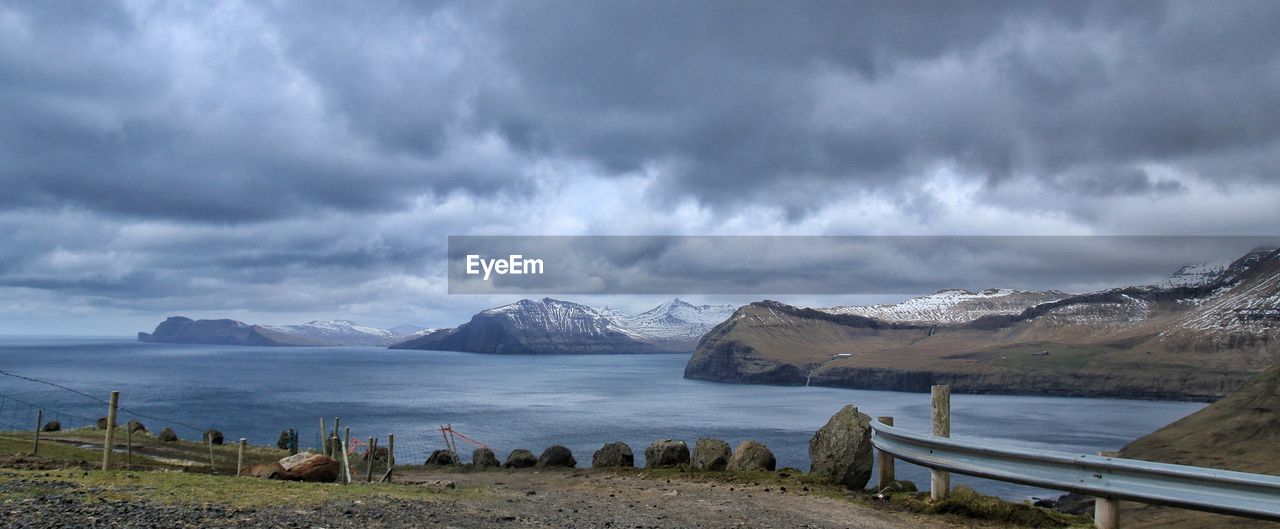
(551, 326)
(1197, 335)
(178, 329)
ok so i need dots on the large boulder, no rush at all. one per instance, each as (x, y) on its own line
(617, 454)
(841, 449)
(136, 426)
(711, 454)
(484, 458)
(751, 455)
(309, 466)
(665, 453)
(167, 435)
(557, 456)
(520, 458)
(264, 471)
(102, 423)
(212, 436)
(52, 426)
(443, 457)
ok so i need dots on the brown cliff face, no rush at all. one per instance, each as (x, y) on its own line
(1186, 342)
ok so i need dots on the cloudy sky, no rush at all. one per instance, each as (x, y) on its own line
(280, 161)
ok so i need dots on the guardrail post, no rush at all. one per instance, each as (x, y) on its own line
(885, 459)
(109, 443)
(1106, 511)
(940, 480)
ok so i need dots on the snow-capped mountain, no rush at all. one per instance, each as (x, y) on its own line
(338, 332)
(555, 326)
(953, 306)
(677, 320)
(407, 330)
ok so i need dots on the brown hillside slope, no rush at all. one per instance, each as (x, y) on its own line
(1240, 432)
(1189, 343)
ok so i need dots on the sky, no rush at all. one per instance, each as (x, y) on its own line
(278, 162)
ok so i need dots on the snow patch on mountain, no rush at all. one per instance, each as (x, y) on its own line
(674, 320)
(952, 306)
(677, 319)
(342, 332)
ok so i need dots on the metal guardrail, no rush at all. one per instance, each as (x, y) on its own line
(1202, 489)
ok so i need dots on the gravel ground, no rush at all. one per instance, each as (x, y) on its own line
(502, 499)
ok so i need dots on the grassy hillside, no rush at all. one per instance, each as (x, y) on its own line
(1240, 432)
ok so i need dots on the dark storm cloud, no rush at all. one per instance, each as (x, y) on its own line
(727, 92)
(242, 112)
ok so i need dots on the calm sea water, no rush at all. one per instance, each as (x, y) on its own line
(512, 402)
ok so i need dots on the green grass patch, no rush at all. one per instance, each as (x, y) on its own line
(966, 503)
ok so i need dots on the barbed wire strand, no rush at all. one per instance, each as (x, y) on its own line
(103, 401)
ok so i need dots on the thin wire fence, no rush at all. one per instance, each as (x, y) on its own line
(20, 412)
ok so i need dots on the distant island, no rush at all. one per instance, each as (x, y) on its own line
(178, 329)
(1195, 336)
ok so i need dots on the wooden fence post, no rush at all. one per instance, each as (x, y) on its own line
(35, 447)
(346, 463)
(885, 459)
(391, 456)
(240, 458)
(1106, 511)
(324, 438)
(109, 444)
(372, 451)
(333, 450)
(940, 480)
(346, 439)
(213, 468)
(128, 445)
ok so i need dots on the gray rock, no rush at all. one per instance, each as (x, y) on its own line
(751, 455)
(520, 458)
(282, 442)
(136, 426)
(841, 449)
(666, 453)
(52, 426)
(617, 454)
(167, 435)
(442, 457)
(557, 456)
(213, 436)
(484, 458)
(711, 454)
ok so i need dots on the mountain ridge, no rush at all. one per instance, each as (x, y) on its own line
(1181, 342)
(180, 329)
(551, 326)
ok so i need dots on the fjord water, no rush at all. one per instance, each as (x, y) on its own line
(507, 402)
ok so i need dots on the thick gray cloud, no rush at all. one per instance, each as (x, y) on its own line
(289, 160)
